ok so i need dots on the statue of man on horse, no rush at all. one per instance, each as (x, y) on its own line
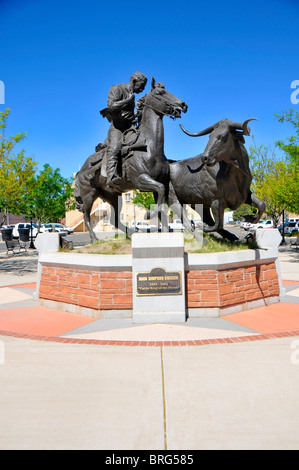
(140, 144)
(121, 114)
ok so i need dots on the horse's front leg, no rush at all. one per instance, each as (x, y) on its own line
(146, 183)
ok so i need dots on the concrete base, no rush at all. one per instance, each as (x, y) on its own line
(217, 312)
(162, 251)
(270, 238)
(89, 312)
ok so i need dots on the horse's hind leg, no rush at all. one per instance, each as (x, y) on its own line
(180, 211)
(162, 216)
(115, 202)
(87, 206)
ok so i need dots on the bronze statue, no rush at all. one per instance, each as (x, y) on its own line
(121, 114)
(143, 165)
(219, 178)
(132, 157)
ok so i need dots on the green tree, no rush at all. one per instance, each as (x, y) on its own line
(50, 196)
(290, 148)
(16, 170)
(271, 180)
(243, 211)
(143, 199)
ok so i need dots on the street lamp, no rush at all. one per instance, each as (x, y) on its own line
(283, 242)
(31, 236)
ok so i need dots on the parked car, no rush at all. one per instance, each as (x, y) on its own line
(15, 232)
(246, 225)
(264, 224)
(176, 225)
(291, 227)
(280, 225)
(55, 227)
(144, 227)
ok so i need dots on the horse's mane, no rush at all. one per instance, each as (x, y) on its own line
(141, 102)
(140, 107)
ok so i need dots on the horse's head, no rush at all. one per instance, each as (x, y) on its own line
(224, 142)
(163, 102)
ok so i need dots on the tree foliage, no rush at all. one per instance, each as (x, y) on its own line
(16, 170)
(50, 196)
(44, 197)
(276, 178)
(243, 211)
(290, 148)
(143, 199)
(291, 145)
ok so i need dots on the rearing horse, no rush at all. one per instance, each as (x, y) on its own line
(143, 166)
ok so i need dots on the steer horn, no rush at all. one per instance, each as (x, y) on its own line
(244, 126)
(208, 130)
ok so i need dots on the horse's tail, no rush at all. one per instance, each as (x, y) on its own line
(77, 195)
(84, 177)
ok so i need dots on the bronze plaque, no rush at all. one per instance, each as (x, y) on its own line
(159, 282)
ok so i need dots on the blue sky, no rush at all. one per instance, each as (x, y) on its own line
(225, 59)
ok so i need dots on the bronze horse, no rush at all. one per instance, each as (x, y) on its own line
(219, 178)
(143, 166)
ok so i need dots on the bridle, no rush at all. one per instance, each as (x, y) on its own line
(159, 111)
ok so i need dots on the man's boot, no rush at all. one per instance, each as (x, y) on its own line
(113, 179)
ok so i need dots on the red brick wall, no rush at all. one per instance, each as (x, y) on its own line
(202, 289)
(100, 291)
(113, 290)
(232, 286)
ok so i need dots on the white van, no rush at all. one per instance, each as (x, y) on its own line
(15, 232)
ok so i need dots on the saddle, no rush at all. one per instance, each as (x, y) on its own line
(131, 141)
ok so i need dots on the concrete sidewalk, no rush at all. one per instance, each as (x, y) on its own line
(64, 386)
(225, 396)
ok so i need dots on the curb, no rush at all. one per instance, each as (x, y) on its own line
(202, 342)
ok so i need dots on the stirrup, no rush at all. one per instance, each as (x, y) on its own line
(115, 181)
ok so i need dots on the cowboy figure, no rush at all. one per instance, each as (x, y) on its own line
(121, 115)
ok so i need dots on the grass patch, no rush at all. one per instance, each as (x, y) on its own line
(216, 244)
(109, 246)
(122, 245)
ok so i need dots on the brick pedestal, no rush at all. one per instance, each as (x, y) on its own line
(215, 284)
